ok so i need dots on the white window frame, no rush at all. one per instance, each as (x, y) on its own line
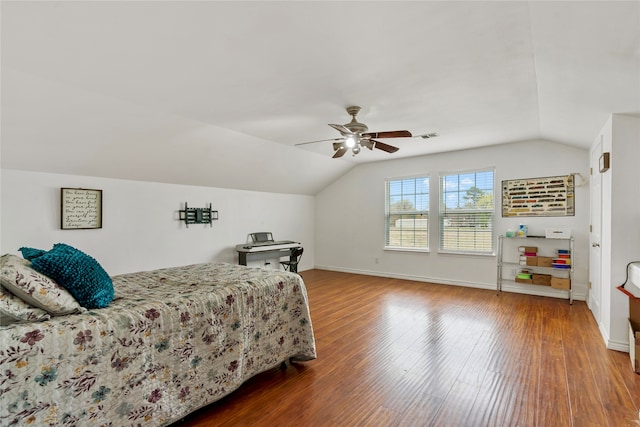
(456, 218)
(418, 212)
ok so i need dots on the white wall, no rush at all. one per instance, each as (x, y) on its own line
(140, 226)
(350, 214)
(620, 223)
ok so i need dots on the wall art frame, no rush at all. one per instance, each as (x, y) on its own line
(603, 162)
(80, 208)
(546, 196)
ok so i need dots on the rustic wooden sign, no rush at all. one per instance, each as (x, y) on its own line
(548, 196)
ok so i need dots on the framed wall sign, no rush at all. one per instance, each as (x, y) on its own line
(81, 208)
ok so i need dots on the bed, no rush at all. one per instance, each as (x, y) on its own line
(172, 341)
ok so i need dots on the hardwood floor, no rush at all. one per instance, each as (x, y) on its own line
(401, 353)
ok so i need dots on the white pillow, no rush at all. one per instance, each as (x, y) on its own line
(13, 309)
(34, 288)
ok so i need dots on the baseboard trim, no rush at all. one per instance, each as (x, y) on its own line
(441, 281)
(617, 345)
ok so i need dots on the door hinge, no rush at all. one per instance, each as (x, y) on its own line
(590, 171)
(590, 228)
(589, 285)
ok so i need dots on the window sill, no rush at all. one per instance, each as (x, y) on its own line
(485, 254)
(400, 249)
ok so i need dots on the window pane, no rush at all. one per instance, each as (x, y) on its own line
(484, 181)
(422, 202)
(466, 212)
(466, 181)
(407, 213)
(395, 188)
(408, 186)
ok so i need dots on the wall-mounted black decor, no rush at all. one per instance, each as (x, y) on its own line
(198, 215)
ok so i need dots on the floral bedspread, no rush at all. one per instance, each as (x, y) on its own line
(172, 341)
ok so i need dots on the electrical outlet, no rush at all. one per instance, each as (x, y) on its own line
(377, 260)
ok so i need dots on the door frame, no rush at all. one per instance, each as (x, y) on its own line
(594, 300)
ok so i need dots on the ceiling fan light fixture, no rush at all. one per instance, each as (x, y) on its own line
(355, 150)
(350, 141)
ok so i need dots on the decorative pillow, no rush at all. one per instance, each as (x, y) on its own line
(13, 309)
(31, 253)
(77, 272)
(33, 288)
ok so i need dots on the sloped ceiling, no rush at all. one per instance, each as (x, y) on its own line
(218, 93)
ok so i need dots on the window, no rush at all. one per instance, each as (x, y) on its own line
(466, 212)
(407, 213)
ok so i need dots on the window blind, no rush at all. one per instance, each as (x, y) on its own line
(467, 212)
(407, 213)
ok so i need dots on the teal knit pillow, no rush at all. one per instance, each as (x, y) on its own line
(77, 272)
(31, 253)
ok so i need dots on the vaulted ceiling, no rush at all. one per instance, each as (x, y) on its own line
(218, 93)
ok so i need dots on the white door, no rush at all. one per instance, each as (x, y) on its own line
(595, 266)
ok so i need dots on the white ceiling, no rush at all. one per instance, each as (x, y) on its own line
(218, 93)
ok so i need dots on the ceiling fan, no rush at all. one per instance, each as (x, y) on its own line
(355, 135)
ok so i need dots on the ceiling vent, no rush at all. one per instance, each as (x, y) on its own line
(429, 135)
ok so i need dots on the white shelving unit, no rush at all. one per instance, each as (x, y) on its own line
(512, 260)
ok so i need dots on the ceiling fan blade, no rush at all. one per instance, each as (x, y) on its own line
(342, 129)
(385, 147)
(390, 134)
(320, 140)
(340, 152)
(337, 146)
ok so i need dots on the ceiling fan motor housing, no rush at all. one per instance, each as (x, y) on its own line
(355, 126)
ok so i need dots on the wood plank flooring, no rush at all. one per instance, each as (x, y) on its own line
(402, 353)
